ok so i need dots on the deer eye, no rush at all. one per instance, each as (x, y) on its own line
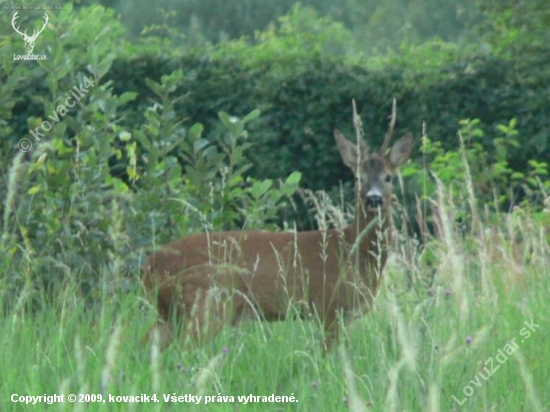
(388, 178)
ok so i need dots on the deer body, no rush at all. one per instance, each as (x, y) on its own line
(219, 278)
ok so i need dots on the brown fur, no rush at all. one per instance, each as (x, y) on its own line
(214, 279)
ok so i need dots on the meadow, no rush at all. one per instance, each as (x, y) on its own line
(169, 137)
(460, 324)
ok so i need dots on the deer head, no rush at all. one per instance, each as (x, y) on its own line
(374, 172)
(29, 40)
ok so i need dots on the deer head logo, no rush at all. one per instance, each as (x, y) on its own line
(29, 40)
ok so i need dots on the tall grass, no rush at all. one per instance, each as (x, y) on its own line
(448, 307)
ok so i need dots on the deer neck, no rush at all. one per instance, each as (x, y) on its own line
(368, 238)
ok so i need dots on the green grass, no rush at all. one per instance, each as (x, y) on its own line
(444, 310)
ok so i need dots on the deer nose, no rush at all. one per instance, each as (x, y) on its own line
(375, 200)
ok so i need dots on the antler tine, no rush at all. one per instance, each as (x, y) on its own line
(389, 134)
(46, 20)
(14, 22)
(358, 126)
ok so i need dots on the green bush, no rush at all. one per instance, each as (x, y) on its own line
(291, 73)
(94, 192)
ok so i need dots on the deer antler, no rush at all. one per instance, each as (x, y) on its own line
(46, 19)
(35, 33)
(389, 134)
(14, 18)
(358, 126)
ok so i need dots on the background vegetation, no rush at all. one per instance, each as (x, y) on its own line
(219, 115)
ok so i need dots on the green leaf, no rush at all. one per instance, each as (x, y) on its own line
(124, 136)
(293, 179)
(200, 144)
(251, 116)
(127, 97)
(33, 190)
(195, 132)
(259, 188)
(224, 117)
(66, 12)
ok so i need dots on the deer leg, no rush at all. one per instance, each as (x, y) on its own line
(212, 309)
(166, 295)
(331, 333)
(161, 333)
(204, 306)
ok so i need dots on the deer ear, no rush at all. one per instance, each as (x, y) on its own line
(348, 151)
(401, 150)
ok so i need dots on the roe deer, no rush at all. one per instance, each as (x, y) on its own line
(220, 278)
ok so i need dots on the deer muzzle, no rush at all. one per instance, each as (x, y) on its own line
(375, 198)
